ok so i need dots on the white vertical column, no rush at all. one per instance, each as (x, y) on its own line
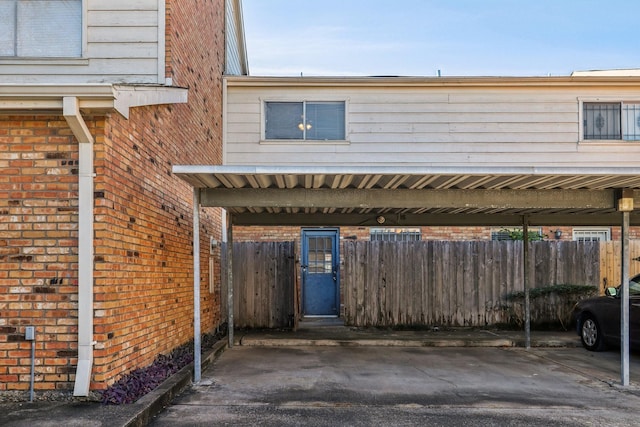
(197, 362)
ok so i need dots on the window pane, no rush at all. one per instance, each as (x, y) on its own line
(320, 255)
(325, 120)
(631, 114)
(592, 235)
(602, 121)
(7, 27)
(395, 234)
(49, 28)
(283, 120)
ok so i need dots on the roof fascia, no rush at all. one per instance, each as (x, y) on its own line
(350, 81)
(401, 170)
(39, 98)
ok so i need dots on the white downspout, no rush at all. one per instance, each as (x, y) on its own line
(71, 112)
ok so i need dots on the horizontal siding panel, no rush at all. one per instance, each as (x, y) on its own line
(417, 148)
(122, 50)
(75, 78)
(529, 96)
(417, 128)
(244, 127)
(502, 107)
(243, 108)
(447, 117)
(122, 5)
(247, 117)
(485, 138)
(95, 67)
(536, 127)
(122, 35)
(398, 128)
(119, 18)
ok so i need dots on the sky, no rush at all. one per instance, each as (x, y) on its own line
(452, 37)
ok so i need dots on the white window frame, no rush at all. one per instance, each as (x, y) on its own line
(263, 124)
(71, 60)
(396, 232)
(591, 232)
(496, 232)
(604, 100)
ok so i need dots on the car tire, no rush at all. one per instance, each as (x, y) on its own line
(591, 334)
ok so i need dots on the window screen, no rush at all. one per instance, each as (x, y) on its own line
(41, 28)
(323, 121)
(395, 234)
(592, 234)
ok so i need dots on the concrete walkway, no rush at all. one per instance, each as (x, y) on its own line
(316, 333)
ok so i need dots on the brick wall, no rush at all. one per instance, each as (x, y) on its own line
(270, 233)
(144, 264)
(143, 222)
(38, 250)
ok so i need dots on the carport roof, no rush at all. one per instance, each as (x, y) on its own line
(402, 196)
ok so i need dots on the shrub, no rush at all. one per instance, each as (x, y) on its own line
(139, 382)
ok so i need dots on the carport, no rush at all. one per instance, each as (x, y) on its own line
(416, 196)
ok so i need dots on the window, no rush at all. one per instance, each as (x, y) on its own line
(611, 120)
(395, 234)
(591, 234)
(516, 234)
(41, 28)
(320, 253)
(316, 121)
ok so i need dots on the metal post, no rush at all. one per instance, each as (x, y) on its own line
(229, 280)
(197, 362)
(527, 304)
(624, 306)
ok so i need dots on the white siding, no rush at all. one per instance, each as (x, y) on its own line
(122, 45)
(234, 41)
(432, 126)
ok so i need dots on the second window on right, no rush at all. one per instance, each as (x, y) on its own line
(611, 121)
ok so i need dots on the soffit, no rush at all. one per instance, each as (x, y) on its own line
(413, 195)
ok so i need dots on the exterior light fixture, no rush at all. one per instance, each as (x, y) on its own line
(557, 234)
(380, 219)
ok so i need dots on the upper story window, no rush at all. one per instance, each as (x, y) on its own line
(611, 120)
(41, 28)
(307, 120)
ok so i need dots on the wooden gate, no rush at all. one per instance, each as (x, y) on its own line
(264, 284)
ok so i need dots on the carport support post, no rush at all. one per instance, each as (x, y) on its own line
(624, 307)
(624, 204)
(229, 280)
(197, 362)
(527, 302)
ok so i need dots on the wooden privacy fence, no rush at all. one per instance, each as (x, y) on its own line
(450, 283)
(264, 284)
(454, 283)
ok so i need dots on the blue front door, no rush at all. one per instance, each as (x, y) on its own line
(320, 272)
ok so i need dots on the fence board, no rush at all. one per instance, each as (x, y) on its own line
(264, 280)
(611, 267)
(457, 283)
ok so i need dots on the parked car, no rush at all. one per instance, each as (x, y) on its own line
(598, 319)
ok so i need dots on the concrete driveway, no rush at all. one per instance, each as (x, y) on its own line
(364, 386)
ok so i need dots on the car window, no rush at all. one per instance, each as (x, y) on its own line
(634, 286)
